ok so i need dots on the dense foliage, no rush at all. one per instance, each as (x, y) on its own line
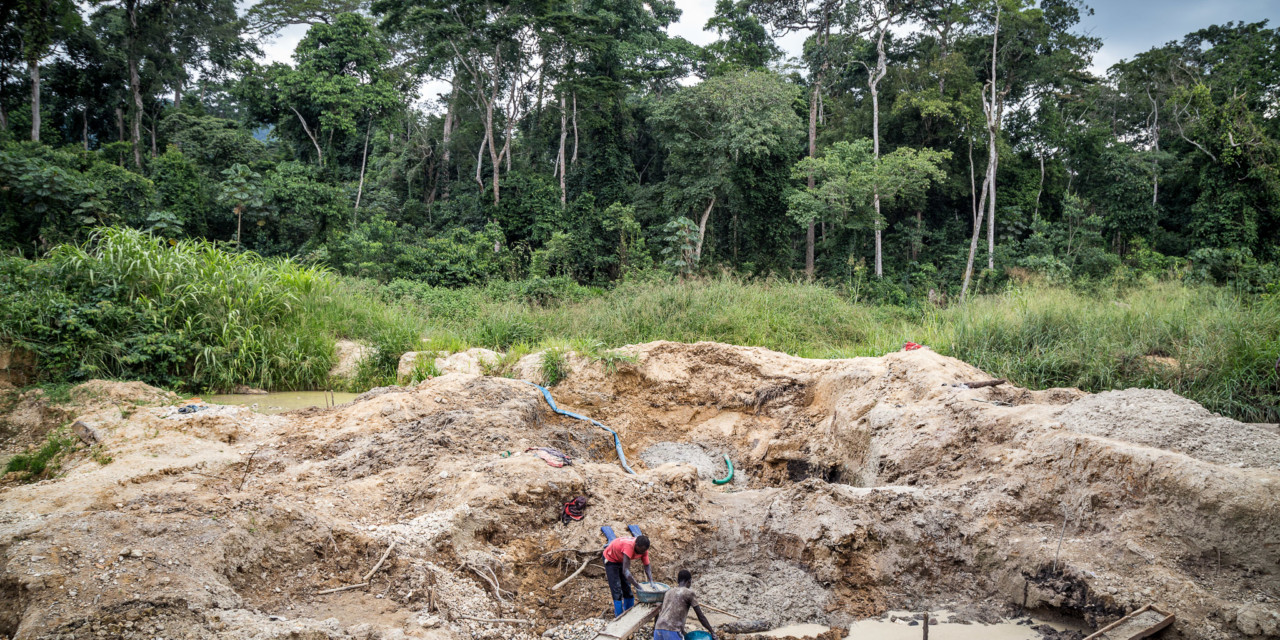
(183, 210)
(186, 315)
(568, 141)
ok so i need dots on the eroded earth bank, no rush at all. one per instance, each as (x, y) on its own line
(862, 486)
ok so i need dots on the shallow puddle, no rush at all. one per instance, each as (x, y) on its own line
(281, 401)
(884, 629)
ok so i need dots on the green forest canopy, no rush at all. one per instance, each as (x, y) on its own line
(580, 139)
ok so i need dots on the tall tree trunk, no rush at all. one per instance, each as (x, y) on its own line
(4, 117)
(177, 94)
(314, 141)
(120, 124)
(973, 186)
(33, 66)
(1155, 148)
(873, 83)
(564, 133)
(480, 160)
(434, 176)
(135, 132)
(537, 108)
(994, 112)
(702, 231)
(991, 209)
(1035, 213)
(135, 83)
(493, 150)
(813, 152)
(510, 126)
(575, 129)
(445, 137)
(364, 157)
(918, 242)
(979, 214)
(84, 128)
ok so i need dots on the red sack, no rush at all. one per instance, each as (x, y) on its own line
(911, 346)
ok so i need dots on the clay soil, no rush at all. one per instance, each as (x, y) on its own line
(863, 486)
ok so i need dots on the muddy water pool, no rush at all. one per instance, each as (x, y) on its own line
(280, 401)
(886, 629)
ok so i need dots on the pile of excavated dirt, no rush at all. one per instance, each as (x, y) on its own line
(26, 417)
(1166, 420)
(773, 590)
(867, 485)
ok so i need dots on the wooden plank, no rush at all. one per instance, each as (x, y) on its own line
(1120, 629)
(623, 626)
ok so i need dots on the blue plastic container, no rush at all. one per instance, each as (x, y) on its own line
(697, 635)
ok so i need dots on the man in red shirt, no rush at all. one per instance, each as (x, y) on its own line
(618, 555)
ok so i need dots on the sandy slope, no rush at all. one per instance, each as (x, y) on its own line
(864, 484)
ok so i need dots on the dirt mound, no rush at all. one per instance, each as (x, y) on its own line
(773, 590)
(26, 417)
(1166, 420)
(866, 485)
(99, 392)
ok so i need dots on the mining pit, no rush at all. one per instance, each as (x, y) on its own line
(867, 492)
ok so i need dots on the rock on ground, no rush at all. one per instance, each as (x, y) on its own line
(347, 357)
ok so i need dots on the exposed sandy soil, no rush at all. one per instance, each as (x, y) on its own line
(869, 484)
(1164, 419)
(27, 416)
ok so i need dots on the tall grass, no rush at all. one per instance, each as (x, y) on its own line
(1201, 342)
(1223, 347)
(187, 314)
(195, 316)
(804, 319)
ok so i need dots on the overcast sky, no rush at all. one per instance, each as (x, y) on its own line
(1125, 26)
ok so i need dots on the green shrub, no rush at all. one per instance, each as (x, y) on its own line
(43, 462)
(125, 193)
(423, 369)
(554, 367)
(380, 367)
(189, 315)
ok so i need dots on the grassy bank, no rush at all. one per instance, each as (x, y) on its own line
(1201, 342)
(193, 316)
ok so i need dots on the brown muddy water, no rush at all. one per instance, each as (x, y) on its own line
(885, 629)
(280, 401)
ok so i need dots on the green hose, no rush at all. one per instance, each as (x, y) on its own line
(729, 478)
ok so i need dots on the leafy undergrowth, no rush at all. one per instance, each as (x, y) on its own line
(189, 314)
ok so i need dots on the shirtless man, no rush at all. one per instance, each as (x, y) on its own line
(617, 570)
(675, 608)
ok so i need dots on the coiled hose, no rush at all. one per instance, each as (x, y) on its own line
(617, 442)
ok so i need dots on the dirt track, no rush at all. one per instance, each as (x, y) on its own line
(865, 485)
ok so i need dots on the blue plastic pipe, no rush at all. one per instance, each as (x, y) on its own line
(617, 442)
